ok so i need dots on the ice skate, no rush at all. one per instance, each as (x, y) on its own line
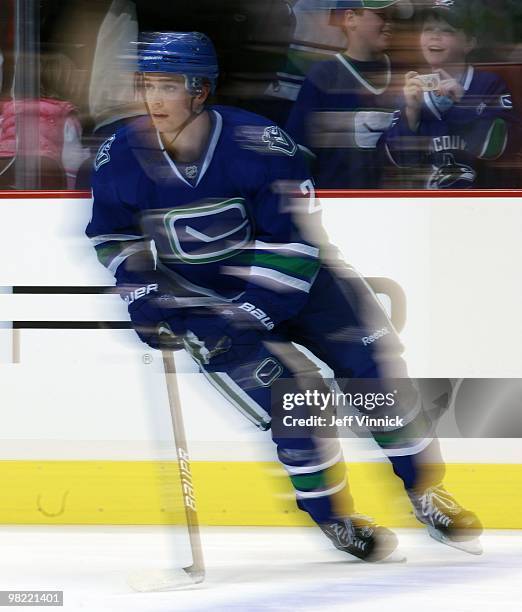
(447, 522)
(360, 537)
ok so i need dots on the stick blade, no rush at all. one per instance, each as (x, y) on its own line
(146, 581)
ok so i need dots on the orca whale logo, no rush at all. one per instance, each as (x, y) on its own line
(278, 140)
(103, 156)
(450, 173)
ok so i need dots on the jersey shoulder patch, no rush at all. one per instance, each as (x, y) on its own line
(103, 156)
(265, 139)
(254, 132)
(506, 101)
(278, 140)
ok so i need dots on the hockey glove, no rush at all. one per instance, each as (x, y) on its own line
(228, 332)
(152, 311)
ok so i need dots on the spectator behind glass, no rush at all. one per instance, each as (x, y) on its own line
(346, 103)
(455, 119)
(6, 46)
(112, 94)
(59, 127)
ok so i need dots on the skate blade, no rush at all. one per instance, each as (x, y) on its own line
(146, 581)
(395, 556)
(473, 547)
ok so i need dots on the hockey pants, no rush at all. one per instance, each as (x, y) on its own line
(341, 311)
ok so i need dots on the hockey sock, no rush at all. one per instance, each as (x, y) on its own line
(421, 470)
(318, 474)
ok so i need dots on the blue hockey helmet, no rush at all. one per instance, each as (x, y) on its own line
(190, 54)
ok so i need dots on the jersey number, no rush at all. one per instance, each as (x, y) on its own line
(307, 189)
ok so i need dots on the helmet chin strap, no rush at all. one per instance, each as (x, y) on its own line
(193, 115)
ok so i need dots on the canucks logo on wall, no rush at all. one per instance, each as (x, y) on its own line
(451, 174)
(103, 156)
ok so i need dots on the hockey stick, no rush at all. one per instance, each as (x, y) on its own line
(171, 579)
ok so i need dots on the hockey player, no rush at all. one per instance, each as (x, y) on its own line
(455, 119)
(192, 214)
(345, 104)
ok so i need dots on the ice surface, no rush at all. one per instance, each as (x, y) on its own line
(250, 569)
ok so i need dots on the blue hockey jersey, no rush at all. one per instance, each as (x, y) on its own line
(340, 115)
(215, 231)
(450, 148)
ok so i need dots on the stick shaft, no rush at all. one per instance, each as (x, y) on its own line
(197, 568)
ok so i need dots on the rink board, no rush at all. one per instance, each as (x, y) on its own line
(229, 493)
(456, 259)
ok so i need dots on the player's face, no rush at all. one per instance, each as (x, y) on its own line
(167, 99)
(443, 45)
(375, 28)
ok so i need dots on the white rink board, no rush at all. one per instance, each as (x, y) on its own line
(89, 394)
(458, 262)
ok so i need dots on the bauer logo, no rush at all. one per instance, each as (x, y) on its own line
(132, 296)
(186, 479)
(258, 314)
(103, 156)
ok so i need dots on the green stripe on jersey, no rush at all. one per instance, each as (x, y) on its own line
(495, 140)
(293, 265)
(107, 252)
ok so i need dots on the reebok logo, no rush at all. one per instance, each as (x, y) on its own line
(366, 340)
